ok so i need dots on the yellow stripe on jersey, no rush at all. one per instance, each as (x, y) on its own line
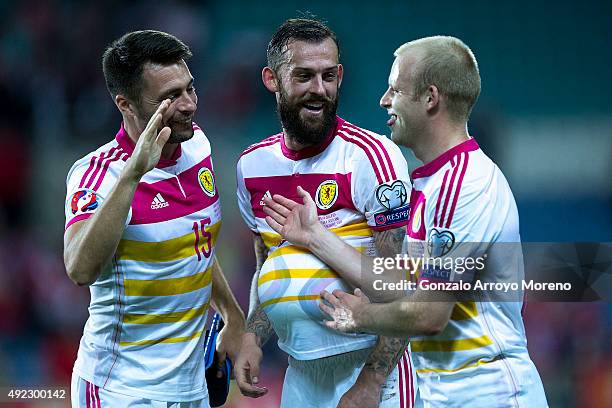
(166, 340)
(163, 251)
(271, 239)
(421, 346)
(464, 311)
(295, 250)
(288, 250)
(359, 229)
(454, 370)
(289, 299)
(168, 287)
(166, 317)
(296, 273)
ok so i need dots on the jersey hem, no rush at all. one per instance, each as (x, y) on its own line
(326, 352)
(142, 392)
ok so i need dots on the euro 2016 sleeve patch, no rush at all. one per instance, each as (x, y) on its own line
(84, 201)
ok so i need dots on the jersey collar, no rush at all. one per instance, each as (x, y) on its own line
(128, 145)
(311, 151)
(436, 164)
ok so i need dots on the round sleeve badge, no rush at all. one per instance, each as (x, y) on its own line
(206, 181)
(84, 201)
(393, 195)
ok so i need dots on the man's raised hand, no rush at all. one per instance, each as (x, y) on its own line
(297, 223)
(149, 147)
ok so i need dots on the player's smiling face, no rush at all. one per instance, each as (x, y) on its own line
(406, 112)
(172, 82)
(308, 84)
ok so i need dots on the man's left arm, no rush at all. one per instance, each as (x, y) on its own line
(388, 350)
(223, 300)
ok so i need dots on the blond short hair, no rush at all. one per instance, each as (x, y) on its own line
(450, 65)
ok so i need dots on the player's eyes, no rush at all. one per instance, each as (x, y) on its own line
(394, 91)
(330, 77)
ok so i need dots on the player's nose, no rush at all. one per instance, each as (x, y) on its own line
(385, 100)
(187, 104)
(317, 86)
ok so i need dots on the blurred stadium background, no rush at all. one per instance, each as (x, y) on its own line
(544, 115)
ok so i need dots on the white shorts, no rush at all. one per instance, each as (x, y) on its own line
(320, 383)
(510, 382)
(87, 395)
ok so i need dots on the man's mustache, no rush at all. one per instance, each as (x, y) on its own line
(317, 100)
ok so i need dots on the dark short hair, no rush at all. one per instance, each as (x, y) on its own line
(297, 29)
(124, 59)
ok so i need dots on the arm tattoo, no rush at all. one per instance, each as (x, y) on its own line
(257, 321)
(385, 354)
(389, 242)
(259, 324)
(261, 251)
(388, 350)
(261, 254)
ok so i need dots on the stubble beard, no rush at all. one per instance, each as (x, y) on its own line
(180, 137)
(175, 137)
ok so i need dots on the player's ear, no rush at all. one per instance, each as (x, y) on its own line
(340, 74)
(268, 76)
(124, 105)
(433, 97)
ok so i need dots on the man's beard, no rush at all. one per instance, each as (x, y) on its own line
(307, 133)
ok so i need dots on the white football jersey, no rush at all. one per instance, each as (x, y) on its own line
(359, 182)
(147, 316)
(460, 205)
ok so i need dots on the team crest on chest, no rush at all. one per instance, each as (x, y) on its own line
(206, 181)
(327, 194)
